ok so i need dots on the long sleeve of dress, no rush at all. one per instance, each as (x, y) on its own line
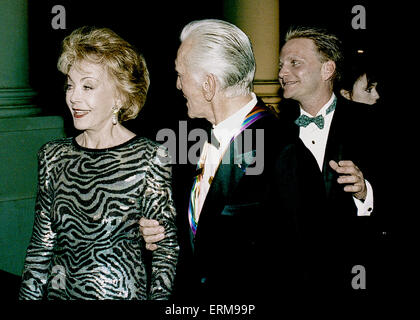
(40, 249)
(158, 204)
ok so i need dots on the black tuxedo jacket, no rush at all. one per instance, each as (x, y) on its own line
(339, 239)
(247, 241)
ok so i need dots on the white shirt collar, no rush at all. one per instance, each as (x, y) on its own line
(323, 110)
(225, 130)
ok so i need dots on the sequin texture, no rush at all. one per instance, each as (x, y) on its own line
(86, 242)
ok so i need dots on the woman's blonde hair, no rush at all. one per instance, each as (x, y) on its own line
(120, 59)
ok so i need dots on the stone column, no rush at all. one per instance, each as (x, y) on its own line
(15, 92)
(22, 132)
(260, 21)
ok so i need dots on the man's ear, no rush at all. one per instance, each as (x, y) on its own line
(345, 94)
(328, 69)
(209, 86)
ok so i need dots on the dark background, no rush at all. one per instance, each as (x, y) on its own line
(154, 28)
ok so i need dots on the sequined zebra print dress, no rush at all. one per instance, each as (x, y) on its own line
(86, 242)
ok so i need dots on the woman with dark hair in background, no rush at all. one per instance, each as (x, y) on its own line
(359, 82)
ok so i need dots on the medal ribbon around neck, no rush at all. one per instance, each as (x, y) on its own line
(256, 113)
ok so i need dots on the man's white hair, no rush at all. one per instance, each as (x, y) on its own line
(224, 50)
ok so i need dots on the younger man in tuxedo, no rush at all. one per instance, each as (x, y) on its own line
(338, 133)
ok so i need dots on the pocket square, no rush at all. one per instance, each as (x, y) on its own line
(245, 159)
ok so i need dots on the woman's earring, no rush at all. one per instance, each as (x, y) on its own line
(114, 115)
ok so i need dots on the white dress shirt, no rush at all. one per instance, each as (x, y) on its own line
(315, 140)
(211, 156)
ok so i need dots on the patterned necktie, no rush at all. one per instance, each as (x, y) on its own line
(304, 120)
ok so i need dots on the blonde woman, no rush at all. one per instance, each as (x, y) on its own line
(94, 188)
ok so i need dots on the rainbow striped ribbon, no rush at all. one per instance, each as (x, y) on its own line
(256, 113)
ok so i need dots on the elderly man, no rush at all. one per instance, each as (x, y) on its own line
(238, 231)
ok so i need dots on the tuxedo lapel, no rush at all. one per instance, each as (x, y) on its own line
(231, 170)
(333, 151)
(334, 147)
(227, 175)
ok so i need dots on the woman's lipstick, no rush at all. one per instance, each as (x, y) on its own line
(80, 113)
